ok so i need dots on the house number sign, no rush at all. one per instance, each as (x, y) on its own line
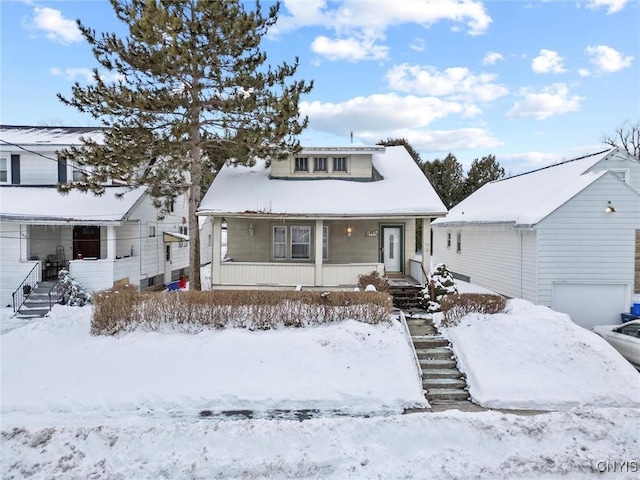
(371, 233)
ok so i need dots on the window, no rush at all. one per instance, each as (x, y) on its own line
(172, 205)
(391, 251)
(279, 243)
(209, 241)
(320, 164)
(622, 175)
(325, 243)
(76, 174)
(183, 231)
(152, 231)
(448, 239)
(301, 164)
(339, 164)
(458, 242)
(300, 242)
(3, 169)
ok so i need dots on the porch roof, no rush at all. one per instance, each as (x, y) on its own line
(45, 205)
(402, 191)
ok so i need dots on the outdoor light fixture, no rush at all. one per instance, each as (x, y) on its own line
(609, 208)
(349, 230)
(251, 229)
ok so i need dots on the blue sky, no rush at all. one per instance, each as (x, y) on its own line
(532, 82)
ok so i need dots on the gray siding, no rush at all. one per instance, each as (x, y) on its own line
(580, 242)
(358, 166)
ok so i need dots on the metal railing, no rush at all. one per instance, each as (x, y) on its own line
(55, 294)
(25, 288)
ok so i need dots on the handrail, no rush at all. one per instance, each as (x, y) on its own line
(58, 294)
(25, 288)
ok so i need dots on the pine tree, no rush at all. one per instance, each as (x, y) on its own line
(482, 171)
(195, 91)
(447, 178)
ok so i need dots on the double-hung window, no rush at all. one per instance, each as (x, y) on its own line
(184, 231)
(339, 164)
(279, 242)
(320, 164)
(448, 239)
(3, 169)
(301, 164)
(300, 243)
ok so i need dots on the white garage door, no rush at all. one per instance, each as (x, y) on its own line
(591, 304)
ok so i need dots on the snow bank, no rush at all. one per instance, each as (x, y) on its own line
(452, 445)
(535, 358)
(55, 365)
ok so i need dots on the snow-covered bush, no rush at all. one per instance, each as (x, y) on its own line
(71, 292)
(380, 283)
(439, 284)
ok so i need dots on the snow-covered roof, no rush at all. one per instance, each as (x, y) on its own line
(50, 136)
(45, 205)
(404, 190)
(528, 198)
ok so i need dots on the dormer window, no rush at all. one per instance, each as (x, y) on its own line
(320, 164)
(301, 164)
(339, 164)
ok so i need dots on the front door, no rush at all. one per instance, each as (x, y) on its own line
(86, 241)
(167, 263)
(392, 248)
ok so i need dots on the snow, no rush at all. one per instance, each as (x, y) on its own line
(76, 406)
(49, 136)
(534, 358)
(404, 190)
(17, 203)
(528, 198)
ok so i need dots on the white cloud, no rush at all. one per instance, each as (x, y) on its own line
(381, 113)
(446, 140)
(457, 83)
(552, 100)
(583, 72)
(548, 61)
(357, 22)
(73, 74)
(608, 59)
(612, 6)
(55, 26)
(491, 58)
(418, 45)
(350, 49)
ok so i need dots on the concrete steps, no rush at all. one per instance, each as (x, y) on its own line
(443, 383)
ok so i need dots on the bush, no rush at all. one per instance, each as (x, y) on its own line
(456, 306)
(373, 278)
(71, 292)
(439, 284)
(126, 309)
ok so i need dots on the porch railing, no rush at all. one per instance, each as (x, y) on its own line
(25, 288)
(55, 294)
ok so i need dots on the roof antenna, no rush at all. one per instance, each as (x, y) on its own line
(351, 134)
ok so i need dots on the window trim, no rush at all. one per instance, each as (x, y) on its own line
(625, 171)
(298, 162)
(321, 160)
(307, 243)
(459, 242)
(448, 239)
(274, 243)
(152, 231)
(344, 160)
(183, 230)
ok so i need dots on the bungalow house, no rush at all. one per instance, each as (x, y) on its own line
(101, 240)
(565, 236)
(320, 218)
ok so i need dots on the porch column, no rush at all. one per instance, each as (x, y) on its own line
(318, 242)
(426, 245)
(111, 242)
(216, 250)
(24, 242)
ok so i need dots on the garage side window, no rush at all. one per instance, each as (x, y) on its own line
(458, 242)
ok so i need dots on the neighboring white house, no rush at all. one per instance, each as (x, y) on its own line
(101, 240)
(320, 218)
(566, 236)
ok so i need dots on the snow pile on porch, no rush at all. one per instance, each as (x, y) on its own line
(534, 358)
(349, 366)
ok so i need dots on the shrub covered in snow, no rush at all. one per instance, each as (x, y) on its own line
(439, 284)
(125, 309)
(456, 306)
(72, 293)
(380, 283)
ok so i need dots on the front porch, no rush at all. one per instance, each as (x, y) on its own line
(263, 251)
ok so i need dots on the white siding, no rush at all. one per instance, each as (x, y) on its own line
(580, 242)
(529, 265)
(206, 239)
(13, 271)
(37, 170)
(266, 274)
(615, 162)
(490, 255)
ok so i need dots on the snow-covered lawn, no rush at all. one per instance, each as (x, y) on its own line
(532, 357)
(76, 406)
